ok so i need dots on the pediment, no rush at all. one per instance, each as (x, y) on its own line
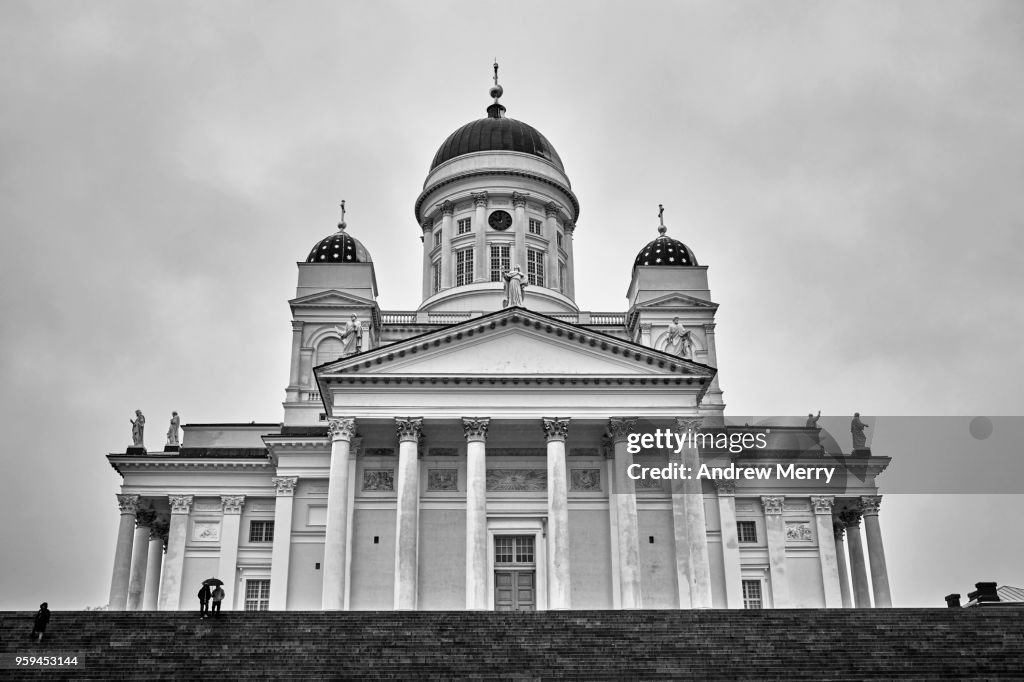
(515, 342)
(677, 300)
(331, 298)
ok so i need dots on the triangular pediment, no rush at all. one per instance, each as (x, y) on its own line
(514, 342)
(677, 300)
(331, 298)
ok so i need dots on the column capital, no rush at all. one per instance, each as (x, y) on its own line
(773, 504)
(850, 518)
(519, 199)
(870, 504)
(180, 504)
(725, 488)
(689, 424)
(551, 210)
(232, 504)
(447, 207)
(646, 326)
(427, 225)
(479, 199)
(128, 504)
(620, 427)
(569, 228)
(555, 428)
(822, 504)
(475, 428)
(409, 428)
(709, 327)
(297, 325)
(285, 485)
(341, 428)
(838, 529)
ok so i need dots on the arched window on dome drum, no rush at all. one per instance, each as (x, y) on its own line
(435, 276)
(500, 261)
(535, 267)
(561, 276)
(328, 350)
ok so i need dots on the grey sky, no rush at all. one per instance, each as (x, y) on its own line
(851, 172)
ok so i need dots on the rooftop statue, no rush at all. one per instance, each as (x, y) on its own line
(860, 441)
(350, 336)
(172, 430)
(515, 284)
(138, 430)
(812, 421)
(680, 341)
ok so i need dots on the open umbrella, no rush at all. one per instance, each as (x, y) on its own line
(213, 581)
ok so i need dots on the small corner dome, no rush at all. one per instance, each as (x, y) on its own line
(339, 247)
(666, 251)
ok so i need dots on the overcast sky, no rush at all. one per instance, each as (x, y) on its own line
(853, 174)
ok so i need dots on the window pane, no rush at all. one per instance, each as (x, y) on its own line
(535, 267)
(502, 550)
(524, 550)
(500, 261)
(752, 594)
(463, 267)
(747, 531)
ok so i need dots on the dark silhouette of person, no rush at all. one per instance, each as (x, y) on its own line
(42, 618)
(218, 597)
(204, 601)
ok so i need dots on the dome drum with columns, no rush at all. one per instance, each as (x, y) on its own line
(470, 453)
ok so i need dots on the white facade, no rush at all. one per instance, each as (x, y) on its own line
(466, 455)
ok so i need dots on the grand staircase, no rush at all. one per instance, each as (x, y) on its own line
(568, 645)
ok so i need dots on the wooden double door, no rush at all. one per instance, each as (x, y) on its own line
(515, 574)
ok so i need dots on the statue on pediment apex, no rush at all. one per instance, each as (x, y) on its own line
(138, 430)
(860, 441)
(172, 430)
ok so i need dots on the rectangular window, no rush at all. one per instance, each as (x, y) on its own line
(437, 238)
(261, 531)
(563, 285)
(535, 267)
(535, 226)
(514, 549)
(257, 595)
(463, 267)
(435, 276)
(500, 261)
(747, 531)
(465, 225)
(558, 239)
(752, 594)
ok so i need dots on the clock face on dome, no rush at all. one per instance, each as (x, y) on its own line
(500, 220)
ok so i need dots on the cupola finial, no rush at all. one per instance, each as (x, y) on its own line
(342, 225)
(496, 109)
(661, 220)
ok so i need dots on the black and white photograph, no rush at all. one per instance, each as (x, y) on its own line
(534, 341)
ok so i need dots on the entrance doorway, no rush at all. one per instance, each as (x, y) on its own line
(515, 573)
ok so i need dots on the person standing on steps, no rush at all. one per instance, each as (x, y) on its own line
(218, 597)
(42, 618)
(204, 601)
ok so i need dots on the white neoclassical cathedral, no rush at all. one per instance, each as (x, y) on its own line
(498, 448)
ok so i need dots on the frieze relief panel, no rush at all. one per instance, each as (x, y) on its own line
(206, 531)
(378, 480)
(443, 479)
(585, 480)
(799, 531)
(517, 480)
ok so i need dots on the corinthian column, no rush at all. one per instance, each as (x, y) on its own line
(775, 530)
(838, 530)
(174, 559)
(140, 558)
(559, 581)
(446, 244)
(407, 514)
(551, 234)
(227, 567)
(624, 499)
(570, 269)
(476, 511)
(128, 505)
(519, 229)
(428, 246)
(730, 544)
(341, 431)
(696, 525)
(480, 273)
(281, 551)
(822, 505)
(157, 542)
(861, 591)
(869, 505)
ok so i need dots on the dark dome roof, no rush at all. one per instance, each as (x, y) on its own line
(496, 134)
(665, 251)
(339, 247)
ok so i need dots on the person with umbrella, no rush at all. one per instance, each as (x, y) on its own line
(204, 598)
(218, 594)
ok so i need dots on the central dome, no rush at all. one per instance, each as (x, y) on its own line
(496, 134)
